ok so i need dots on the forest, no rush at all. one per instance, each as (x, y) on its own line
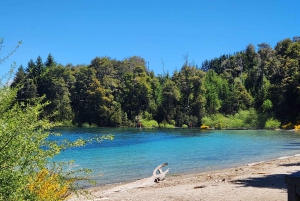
(257, 88)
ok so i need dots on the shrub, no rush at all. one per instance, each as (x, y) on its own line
(272, 123)
(25, 150)
(297, 127)
(169, 126)
(249, 118)
(288, 126)
(242, 119)
(219, 126)
(216, 121)
(87, 125)
(46, 185)
(146, 115)
(184, 126)
(262, 119)
(235, 123)
(204, 126)
(67, 123)
(208, 121)
(165, 125)
(149, 123)
(267, 105)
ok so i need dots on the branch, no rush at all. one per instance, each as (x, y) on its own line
(155, 178)
(9, 54)
(161, 176)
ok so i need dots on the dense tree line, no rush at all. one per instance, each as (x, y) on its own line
(110, 92)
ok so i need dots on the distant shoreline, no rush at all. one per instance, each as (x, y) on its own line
(198, 128)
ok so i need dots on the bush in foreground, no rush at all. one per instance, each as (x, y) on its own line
(25, 152)
(46, 185)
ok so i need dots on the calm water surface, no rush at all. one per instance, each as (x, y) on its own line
(134, 153)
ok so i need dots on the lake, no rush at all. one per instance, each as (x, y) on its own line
(134, 153)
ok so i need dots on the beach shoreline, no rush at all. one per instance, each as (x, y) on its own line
(257, 181)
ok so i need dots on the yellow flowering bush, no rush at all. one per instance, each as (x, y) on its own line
(289, 125)
(297, 127)
(25, 149)
(204, 126)
(49, 186)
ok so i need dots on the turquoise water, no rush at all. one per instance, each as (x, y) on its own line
(134, 153)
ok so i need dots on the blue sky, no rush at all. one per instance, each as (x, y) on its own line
(78, 31)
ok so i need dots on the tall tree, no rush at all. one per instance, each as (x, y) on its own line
(50, 61)
(170, 98)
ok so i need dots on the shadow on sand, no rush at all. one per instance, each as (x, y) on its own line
(269, 181)
(276, 181)
(291, 164)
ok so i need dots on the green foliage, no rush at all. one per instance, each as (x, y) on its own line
(214, 93)
(249, 119)
(169, 126)
(209, 121)
(267, 105)
(146, 115)
(190, 104)
(66, 123)
(25, 150)
(87, 125)
(22, 136)
(110, 92)
(149, 123)
(217, 121)
(184, 126)
(272, 123)
(241, 120)
(170, 98)
(166, 125)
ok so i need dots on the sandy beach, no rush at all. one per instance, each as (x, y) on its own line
(257, 181)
